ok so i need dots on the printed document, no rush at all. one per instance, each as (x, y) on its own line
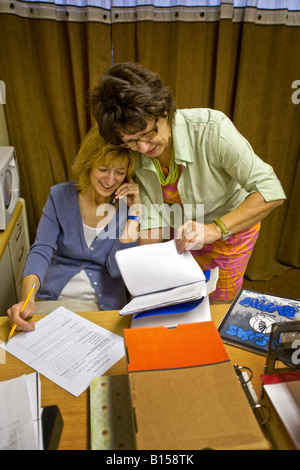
(67, 349)
(20, 411)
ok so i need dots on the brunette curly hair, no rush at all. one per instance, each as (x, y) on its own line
(127, 95)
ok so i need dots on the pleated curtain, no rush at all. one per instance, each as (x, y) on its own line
(242, 58)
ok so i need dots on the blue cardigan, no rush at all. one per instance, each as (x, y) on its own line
(60, 250)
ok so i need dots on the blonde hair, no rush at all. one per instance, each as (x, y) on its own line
(94, 152)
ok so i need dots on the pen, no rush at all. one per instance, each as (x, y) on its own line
(23, 306)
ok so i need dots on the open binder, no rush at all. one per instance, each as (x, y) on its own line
(184, 392)
(115, 395)
(162, 281)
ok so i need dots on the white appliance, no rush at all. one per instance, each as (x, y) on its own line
(9, 184)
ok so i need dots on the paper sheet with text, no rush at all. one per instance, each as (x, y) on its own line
(20, 411)
(68, 349)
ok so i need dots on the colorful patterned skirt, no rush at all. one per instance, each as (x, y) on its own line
(231, 257)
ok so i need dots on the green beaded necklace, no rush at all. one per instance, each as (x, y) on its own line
(173, 171)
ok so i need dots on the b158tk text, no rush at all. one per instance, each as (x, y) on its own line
(152, 459)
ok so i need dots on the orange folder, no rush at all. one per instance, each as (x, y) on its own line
(183, 346)
(185, 393)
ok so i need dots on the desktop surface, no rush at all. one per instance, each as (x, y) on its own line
(75, 411)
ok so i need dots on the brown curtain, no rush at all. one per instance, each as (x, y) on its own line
(48, 68)
(241, 68)
(246, 71)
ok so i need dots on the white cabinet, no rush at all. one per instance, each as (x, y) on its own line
(7, 292)
(14, 246)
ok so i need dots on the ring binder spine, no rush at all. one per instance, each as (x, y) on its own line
(258, 409)
(244, 383)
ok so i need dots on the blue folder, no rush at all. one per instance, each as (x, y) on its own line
(177, 308)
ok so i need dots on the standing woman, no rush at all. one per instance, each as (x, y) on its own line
(84, 223)
(189, 157)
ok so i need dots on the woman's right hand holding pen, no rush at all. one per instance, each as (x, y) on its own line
(15, 313)
(20, 318)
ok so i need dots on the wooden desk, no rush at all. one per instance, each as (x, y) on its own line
(75, 411)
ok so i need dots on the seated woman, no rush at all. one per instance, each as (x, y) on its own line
(84, 223)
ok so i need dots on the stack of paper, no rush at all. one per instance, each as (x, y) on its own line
(284, 392)
(157, 277)
(20, 411)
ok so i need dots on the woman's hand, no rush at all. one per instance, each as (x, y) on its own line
(130, 190)
(193, 235)
(16, 316)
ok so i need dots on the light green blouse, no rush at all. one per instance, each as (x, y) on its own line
(219, 170)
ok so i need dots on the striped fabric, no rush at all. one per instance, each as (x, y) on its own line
(170, 191)
(132, 11)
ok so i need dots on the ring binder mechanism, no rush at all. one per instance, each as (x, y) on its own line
(244, 383)
(258, 408)
(265, 416)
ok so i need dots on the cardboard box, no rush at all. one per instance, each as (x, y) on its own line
(185, 393)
